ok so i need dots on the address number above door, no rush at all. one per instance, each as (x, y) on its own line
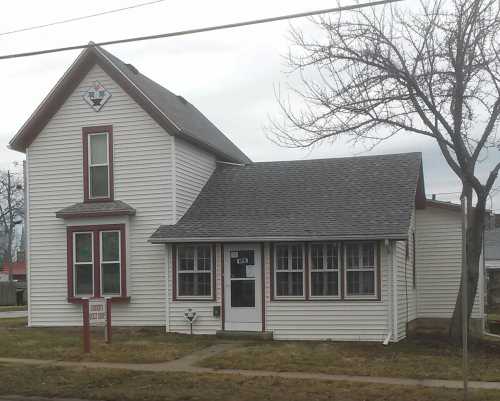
(96, 96)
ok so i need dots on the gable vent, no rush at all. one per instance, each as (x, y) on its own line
(132, 68)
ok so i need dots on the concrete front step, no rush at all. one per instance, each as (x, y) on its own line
(246, 335)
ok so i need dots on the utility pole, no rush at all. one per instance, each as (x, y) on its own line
(465, 318)
(11, 221)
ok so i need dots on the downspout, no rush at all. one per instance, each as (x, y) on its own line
(389, 320)
(394, 292)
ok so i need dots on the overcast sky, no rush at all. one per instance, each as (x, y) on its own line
(231, 75)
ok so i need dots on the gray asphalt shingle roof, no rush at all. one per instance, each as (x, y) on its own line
(89, 209)
(353, 197)
(492, 244)
(183, 114)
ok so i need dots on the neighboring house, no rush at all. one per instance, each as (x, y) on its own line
(18, 270)
(492, 265)
(134, 195)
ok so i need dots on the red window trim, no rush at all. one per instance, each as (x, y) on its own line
(96, 230)
(86, 131)
(343, 297)
(213, 298)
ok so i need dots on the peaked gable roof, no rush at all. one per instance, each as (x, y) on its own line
(173, 113)
(370, 197)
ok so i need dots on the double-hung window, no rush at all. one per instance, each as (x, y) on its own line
(324, 270)
(83, 264)
(194, 271)
(98, 159)
(110, 267)
(97, 261)
(360, 270)
(289, 271)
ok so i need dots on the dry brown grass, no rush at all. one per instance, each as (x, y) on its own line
(424, 358)
(130, 346)
(116, 385)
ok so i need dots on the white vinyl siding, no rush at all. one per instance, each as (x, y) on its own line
(438, 239)
(142, 178)
(205, 322)
(407, 294)
(335, 320)
(193, 168)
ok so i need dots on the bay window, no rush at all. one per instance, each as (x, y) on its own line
(98, 159)
(289, 271)
(324, 270)
(194, 272)
(96, 256)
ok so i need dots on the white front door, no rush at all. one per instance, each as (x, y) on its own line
(242, 287)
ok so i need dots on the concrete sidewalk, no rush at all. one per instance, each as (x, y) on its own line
(13, 314)
(187, 365)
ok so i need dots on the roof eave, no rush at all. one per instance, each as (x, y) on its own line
(70, 80)
(167, 240)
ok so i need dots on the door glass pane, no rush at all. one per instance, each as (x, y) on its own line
(111, 278)
(243, 264)
(83, 280)
(83, 247)
(99, 181)
(110, 246)
(242, 293)
(98, 149)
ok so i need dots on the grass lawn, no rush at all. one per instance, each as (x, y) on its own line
(116, 385)
(13, 308)
(132, 346)
(424, 358)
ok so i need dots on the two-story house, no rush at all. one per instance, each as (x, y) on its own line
(134, 195)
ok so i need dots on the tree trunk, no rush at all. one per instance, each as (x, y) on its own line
(475, 230)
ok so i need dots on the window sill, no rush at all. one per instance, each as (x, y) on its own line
(191, 299)
(278, 299)
(114, 300)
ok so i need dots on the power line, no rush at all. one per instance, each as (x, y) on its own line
(200, 30)
(116, 10)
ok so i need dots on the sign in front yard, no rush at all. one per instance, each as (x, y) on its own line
(97, 311)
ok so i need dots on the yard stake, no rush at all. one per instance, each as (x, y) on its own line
(86, 327)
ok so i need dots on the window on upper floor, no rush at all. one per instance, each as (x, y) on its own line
(98, 163)
(96, 261)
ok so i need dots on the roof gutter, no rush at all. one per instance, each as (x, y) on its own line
(166, 240)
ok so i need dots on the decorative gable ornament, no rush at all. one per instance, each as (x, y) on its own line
(96, 96)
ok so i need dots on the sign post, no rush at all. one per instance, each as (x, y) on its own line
(96, 312)
(86, 326)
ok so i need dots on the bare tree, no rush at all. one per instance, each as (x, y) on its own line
(11, 211)
(432, 71)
